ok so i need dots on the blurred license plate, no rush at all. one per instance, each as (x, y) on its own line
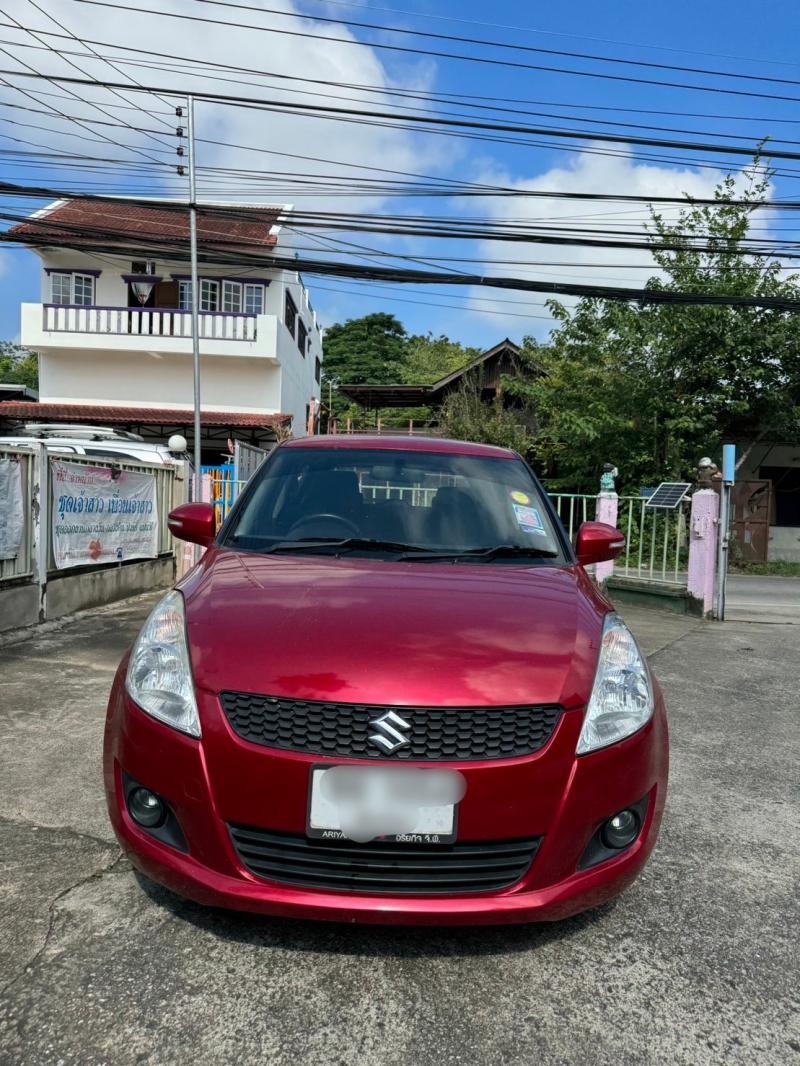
(403, 805)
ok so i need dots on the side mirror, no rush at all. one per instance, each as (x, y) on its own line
(194, 522)
(598, 542)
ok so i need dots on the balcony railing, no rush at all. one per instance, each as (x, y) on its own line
(147, 322)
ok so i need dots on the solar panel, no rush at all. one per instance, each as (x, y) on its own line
(669, 494)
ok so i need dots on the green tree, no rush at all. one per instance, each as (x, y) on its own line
(368, 350)
(507, 420)
(428, 358)
(465, 415)
(18, 366)
(376, 350)
(652, 387)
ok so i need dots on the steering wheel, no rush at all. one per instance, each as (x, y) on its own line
(350, 527)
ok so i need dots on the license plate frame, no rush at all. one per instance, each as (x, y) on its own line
(426, 837)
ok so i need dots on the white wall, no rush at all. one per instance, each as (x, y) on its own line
(784, 544)
(299, 385)
(144, 380)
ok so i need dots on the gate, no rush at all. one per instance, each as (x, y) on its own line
(751, 505)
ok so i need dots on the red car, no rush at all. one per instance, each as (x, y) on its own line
(388, 692)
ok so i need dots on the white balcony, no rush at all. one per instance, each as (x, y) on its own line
(152, 329)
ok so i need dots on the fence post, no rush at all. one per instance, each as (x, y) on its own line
(703, 529)
(182, 493)
(40, 523)
(607, 509)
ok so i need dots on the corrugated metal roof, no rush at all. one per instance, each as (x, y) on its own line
(111, 415)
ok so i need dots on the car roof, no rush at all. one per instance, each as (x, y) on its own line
(364, 442)
(85, 442)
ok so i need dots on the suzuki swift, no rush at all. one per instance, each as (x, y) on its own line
(388, 692)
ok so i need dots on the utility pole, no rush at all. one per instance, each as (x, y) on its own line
(195, 287)
(723, 556)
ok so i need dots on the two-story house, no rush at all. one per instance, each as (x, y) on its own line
(113, 326)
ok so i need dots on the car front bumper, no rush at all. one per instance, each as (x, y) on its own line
(552, 795)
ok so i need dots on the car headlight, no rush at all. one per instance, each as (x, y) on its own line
(622, 695)
(159, 675)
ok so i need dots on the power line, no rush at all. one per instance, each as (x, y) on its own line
(464, 99)
(512, 46)
(554, 33)
(423, 121)
(52, 80)
(428, 303)
(405, 49)
(405, 275)
(186, 69)
(103, 59)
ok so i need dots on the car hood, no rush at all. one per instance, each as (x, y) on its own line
(413, 634)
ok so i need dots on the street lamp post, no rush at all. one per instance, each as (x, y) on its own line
(195, 296)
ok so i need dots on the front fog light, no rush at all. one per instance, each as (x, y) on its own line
(621, 830)
(146, 808)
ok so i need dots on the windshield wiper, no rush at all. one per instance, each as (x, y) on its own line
(499, 551)
(346, 544)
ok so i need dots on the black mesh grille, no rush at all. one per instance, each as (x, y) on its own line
(374, 868)
(435, 733)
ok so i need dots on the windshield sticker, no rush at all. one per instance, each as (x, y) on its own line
(528, 519)
(520, 497)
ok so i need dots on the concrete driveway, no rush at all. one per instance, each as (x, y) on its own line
(695, 964)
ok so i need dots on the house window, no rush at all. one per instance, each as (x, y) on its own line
(317, 371)
(290, 315)
(72, 289)
(82, 289)
(209, 295)
(302, 337)
(231, 296)
(61, 288)
(185, 295)
(254, 299)
(143, 266)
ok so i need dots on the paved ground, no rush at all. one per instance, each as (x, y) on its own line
(695, 964)
(763, 599)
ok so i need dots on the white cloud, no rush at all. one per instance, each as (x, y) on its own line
(346, 142)
(590, 173)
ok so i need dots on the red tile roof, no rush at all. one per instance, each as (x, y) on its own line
(167, 416)
(93, 221)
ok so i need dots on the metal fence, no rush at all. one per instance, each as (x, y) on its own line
(221, 489)
(573, 509)
(656, 540)
(21, 566)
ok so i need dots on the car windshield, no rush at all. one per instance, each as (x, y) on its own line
(413, 505)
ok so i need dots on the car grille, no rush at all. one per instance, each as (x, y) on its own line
(343, 729)
(377, 867)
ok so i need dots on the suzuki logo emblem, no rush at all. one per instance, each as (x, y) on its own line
(387, 735)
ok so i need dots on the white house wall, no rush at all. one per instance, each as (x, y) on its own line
(141, 380)
(299, 385)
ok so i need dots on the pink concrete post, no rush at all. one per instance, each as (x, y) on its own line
(703, 531)
(607, 507)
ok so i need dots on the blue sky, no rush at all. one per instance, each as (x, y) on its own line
(710, 35)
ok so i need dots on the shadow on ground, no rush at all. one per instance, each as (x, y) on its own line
(372, 941)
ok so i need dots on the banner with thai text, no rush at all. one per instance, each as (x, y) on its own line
(12, 519)
(102, 515)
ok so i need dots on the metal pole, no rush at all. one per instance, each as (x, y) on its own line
(728, 479)
(195, 297)
(722, 556)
